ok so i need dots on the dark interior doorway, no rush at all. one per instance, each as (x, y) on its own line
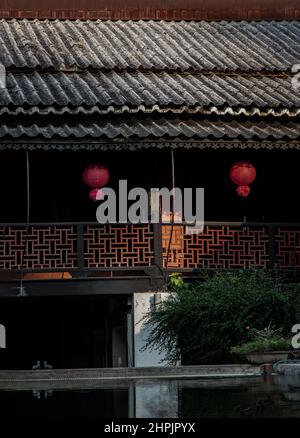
(66, 332)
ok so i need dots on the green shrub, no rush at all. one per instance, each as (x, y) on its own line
(201, 323)
(262, 345)
(268, 339)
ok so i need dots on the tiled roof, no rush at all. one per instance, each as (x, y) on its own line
(148, 89)
(161, 128)
(126, 109)
(116, 73)
(150, 45)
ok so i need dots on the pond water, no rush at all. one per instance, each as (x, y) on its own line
(258, 397)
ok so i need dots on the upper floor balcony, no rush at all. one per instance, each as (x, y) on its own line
(67, 250)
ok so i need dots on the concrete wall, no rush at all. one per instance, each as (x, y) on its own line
(2, 336)
(142, 303)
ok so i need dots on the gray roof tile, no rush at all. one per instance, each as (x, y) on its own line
(125, 109)
(150, 45)
(135, 89)
(148, 128)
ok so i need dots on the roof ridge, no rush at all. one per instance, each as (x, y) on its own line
(221, 21)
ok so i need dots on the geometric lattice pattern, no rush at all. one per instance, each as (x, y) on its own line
(54, 247)
(41, 247)
(176, 250)
(118, 246)
(218, 247)
(287, 248)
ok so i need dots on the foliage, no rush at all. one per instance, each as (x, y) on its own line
(200, 323)
(175, 282)
(267, 333)
(260, 346)
(268, 339)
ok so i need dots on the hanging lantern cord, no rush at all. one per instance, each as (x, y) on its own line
(24, 248)
(172, 222)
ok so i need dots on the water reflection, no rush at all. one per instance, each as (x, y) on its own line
(267, 397)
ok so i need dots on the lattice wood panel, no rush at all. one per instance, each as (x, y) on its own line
(54, 247)
(44, 247)
(176, 254)
(287, 248)
(118, 246)
(218, 247)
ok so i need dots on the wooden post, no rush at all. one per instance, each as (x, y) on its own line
(158, 249)
(271, 246)
(80, 251)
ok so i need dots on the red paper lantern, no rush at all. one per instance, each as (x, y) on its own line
(243, 191)
(96, 176)
(96, 195)
(243, 174)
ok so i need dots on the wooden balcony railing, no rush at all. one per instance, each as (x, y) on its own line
(84, 247)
